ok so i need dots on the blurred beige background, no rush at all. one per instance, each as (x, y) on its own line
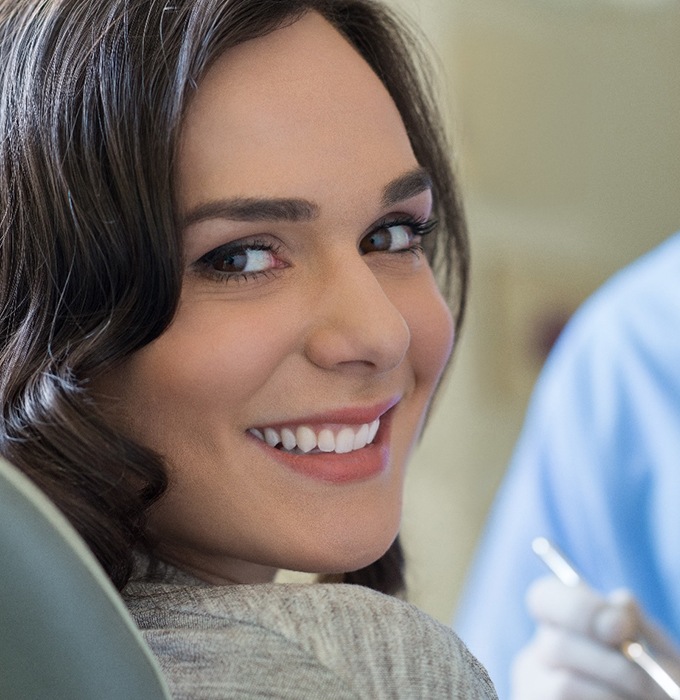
(566, 131)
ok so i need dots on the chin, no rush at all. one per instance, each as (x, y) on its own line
(348, 557)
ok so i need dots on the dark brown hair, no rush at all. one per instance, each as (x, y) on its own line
(92, 96)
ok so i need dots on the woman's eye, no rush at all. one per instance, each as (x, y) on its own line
(389, 239)
(243, 259)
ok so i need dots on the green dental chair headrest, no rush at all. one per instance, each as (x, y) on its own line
(64, 630)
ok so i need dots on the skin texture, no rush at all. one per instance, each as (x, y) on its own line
(325, 326)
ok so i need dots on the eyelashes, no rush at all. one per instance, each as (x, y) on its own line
(403, 233)
(242, 259)
(250, 258)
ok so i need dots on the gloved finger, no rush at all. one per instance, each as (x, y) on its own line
(599, 664)
(572, 607)
(533, 679)
(620, 620)
(582, 610)
(652, 635)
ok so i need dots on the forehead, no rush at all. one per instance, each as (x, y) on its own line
(289, 114)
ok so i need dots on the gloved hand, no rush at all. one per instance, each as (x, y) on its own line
(575, 655)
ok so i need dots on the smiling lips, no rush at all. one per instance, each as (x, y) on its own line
(341, 446)
(304, 439)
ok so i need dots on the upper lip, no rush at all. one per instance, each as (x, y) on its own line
(351, 415)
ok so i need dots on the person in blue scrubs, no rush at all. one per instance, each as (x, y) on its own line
(597, 471)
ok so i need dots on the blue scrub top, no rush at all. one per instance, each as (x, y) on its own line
(596, 468)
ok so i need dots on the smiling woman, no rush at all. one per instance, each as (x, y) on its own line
(221, 330)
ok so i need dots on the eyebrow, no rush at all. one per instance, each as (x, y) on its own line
(406, 186)
(282, 209)
(253, 209)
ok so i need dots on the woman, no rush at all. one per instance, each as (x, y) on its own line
(220, 327)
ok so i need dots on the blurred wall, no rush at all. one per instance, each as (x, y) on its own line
(564, 117)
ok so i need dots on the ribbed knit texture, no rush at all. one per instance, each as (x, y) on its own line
(299, 642)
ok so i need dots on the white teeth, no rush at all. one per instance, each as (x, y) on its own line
(361, 438)
(271, 437)
(288, 439)
(344, 442)
(304, 439)
(326, 440)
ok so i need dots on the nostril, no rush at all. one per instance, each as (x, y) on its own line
(370, 349)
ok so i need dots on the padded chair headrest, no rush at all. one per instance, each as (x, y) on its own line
(64, 630)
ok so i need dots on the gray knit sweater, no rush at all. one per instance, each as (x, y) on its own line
(299, 641)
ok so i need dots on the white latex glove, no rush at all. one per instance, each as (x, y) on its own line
(574, 653)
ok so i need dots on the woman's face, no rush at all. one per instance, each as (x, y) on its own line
(308, 317)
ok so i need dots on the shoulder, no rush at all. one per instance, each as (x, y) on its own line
(336, 638)
(607, 393)
(641, 301)
(621, 341)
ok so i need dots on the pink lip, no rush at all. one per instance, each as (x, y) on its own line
(342, 416)
(359, 465)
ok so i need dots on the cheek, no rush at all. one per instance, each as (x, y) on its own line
(207, 365)
(432, 333)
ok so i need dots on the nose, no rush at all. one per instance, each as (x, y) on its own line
(355, 324)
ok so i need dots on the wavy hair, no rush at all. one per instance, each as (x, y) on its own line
(92, 98)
